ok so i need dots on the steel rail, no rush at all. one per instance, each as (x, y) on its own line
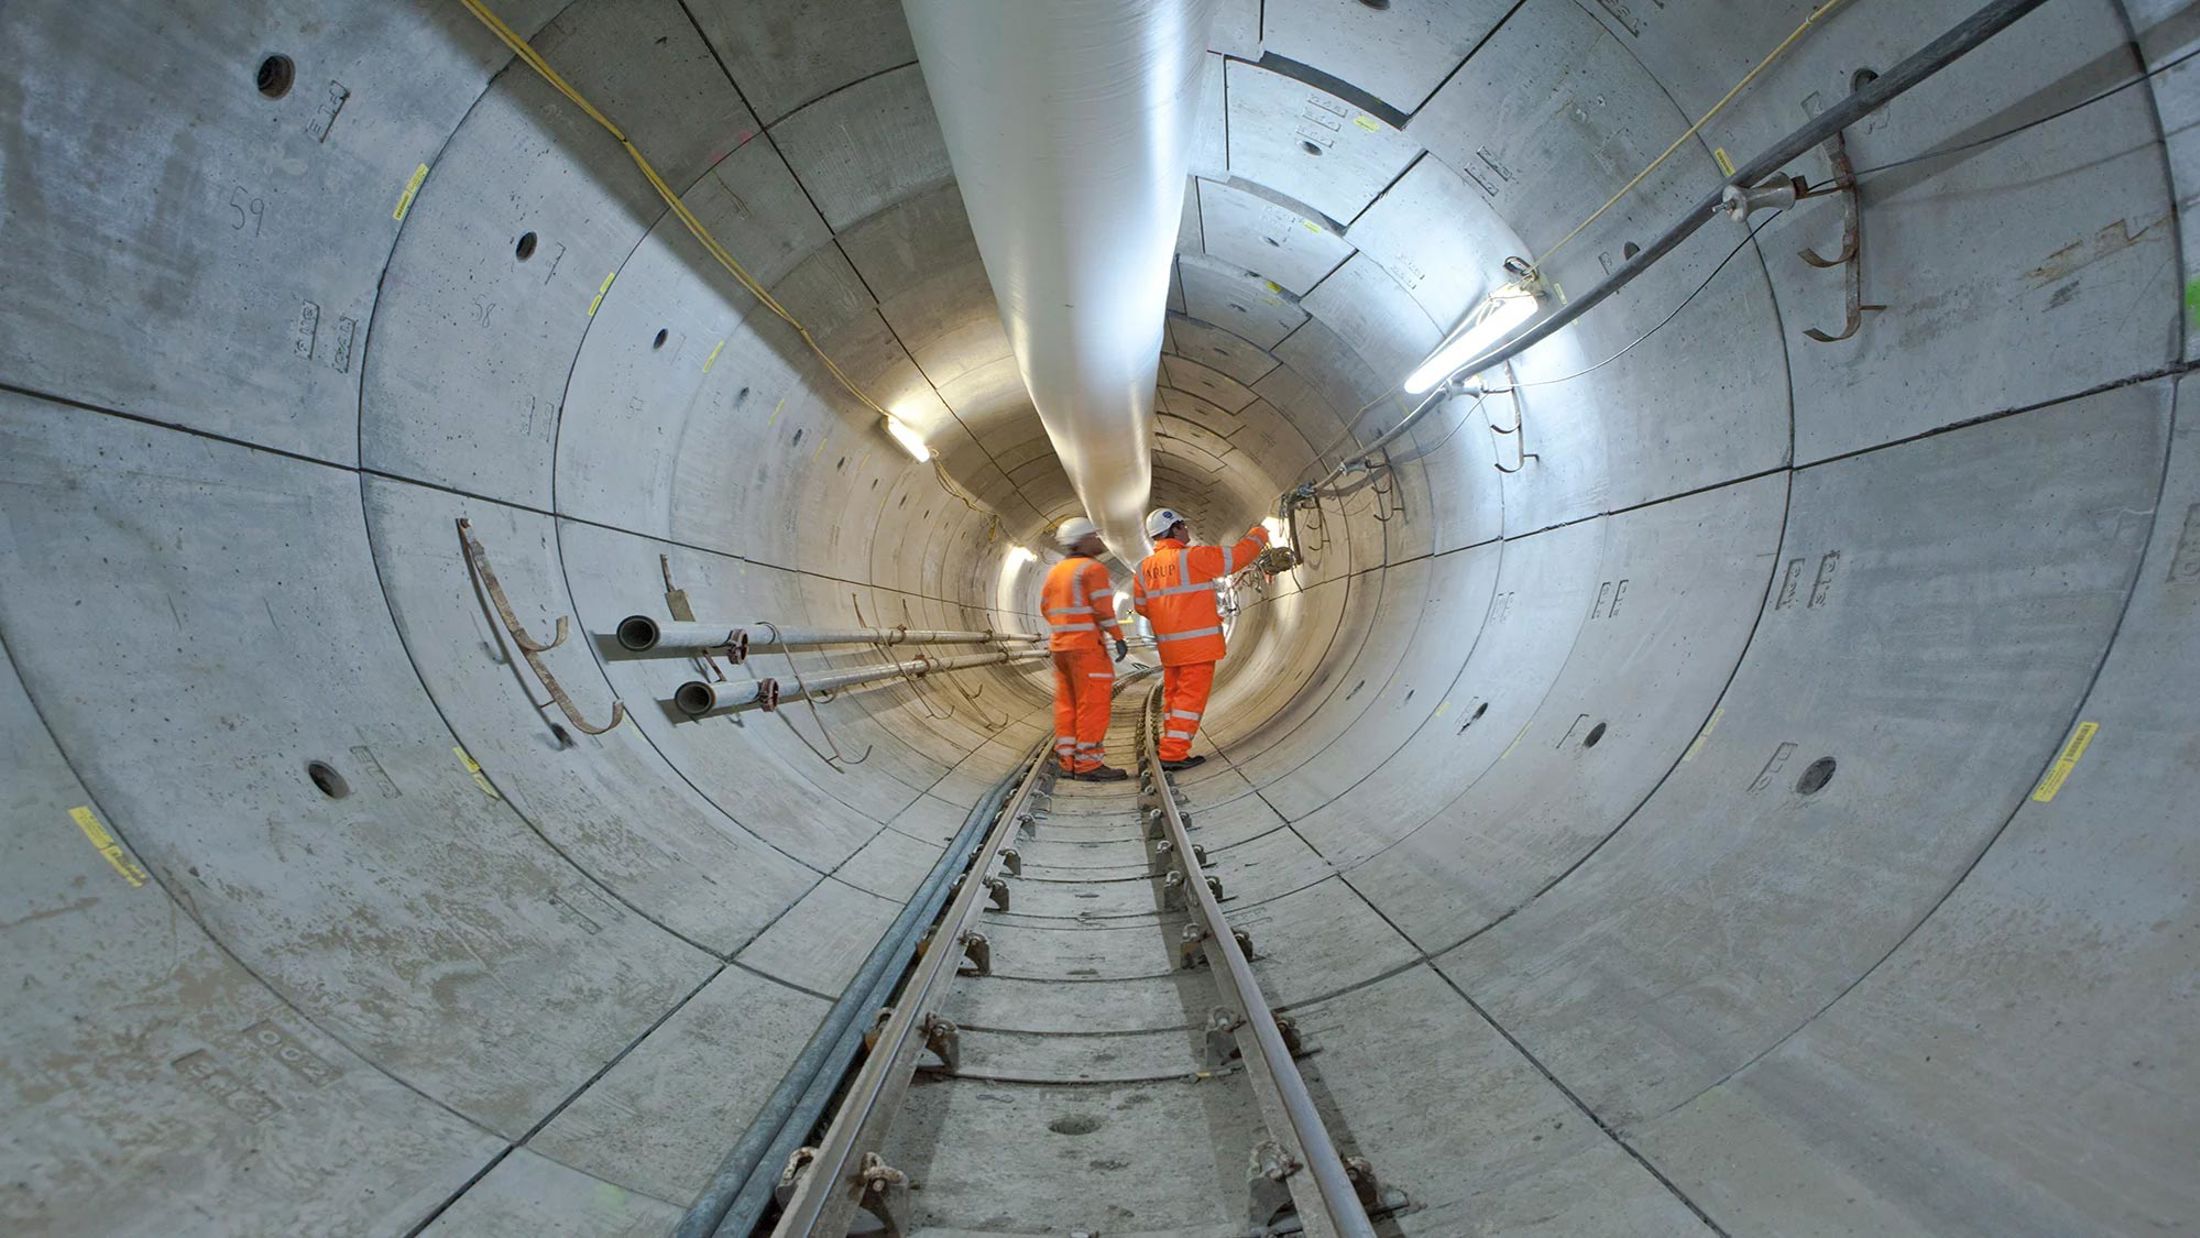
(741, 1189)
(1317, 1152)
(832, 1188)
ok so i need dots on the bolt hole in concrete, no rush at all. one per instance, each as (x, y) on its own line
(1310, 148)
(1629, 250)
(662, 335)
(1479, 710)
(1815, 777)
(1595, 735)
(326, 778)
(1863, 78)
(526, 247)
(1377, 5)
(563, 736)
(1074, 1124)
(275, 75)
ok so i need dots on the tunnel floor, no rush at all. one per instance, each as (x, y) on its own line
(1083, 1086)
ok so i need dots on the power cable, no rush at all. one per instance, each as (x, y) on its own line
(1693, 129)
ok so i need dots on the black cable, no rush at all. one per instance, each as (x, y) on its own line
(1989, 140)
(1730, 255)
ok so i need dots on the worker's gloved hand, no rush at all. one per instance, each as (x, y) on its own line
(1122, 649)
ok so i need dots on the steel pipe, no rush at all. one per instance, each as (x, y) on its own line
(698, 697)
(915, 668)
(1341, 1207)
(643, 634)
(701, 696)
(767, 636)
(1070, 128)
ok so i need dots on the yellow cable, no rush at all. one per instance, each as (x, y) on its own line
(521, 48)
(1705, 119)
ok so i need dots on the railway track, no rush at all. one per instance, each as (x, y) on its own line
(1090, 1052)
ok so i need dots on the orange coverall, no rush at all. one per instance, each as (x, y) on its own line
(1079, 601)
(1176, 590)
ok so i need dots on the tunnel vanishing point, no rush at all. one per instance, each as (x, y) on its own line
(1729, 768)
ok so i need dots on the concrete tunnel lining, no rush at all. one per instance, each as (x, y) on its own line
(520, 980)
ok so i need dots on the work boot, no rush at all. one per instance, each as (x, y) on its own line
(1186, 763)
(1103, 773)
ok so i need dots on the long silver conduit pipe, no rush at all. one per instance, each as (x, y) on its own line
(643, 634)
(1070, 127)
(698, 697)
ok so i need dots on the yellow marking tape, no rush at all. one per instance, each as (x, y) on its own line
(2059, 772)
(601, 289)
(1703, 735)
(1311, 226)
(1368, 123)
(474, 767)
(712, 359)
(1441, 706)
(770, 421)
(405, 199)
(1516, 739)
(107, 845)
(1726, 165)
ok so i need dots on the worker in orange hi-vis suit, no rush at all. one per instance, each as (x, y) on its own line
(1079, 601)
(1176, 590)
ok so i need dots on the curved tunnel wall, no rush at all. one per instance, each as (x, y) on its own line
(1513, 797)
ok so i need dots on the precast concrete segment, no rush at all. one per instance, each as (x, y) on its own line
(1788, 894)
(1070, 130)
(408, 907)
(1361, 684)
(678, 1074)
(671, 850)
(528, 1194)
(140, 1052)
(1931, 1039)
(1680, 586)
(497, 272)
(1426, 690)
(202, 208)
(1480, 1138)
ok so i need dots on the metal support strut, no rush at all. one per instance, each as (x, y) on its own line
(1851, 257)
(529, 648)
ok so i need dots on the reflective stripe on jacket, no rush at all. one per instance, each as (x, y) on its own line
(1078, 600)
(1175, 589)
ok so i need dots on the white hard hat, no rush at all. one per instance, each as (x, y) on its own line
(1161, 521)
(1074, 530)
